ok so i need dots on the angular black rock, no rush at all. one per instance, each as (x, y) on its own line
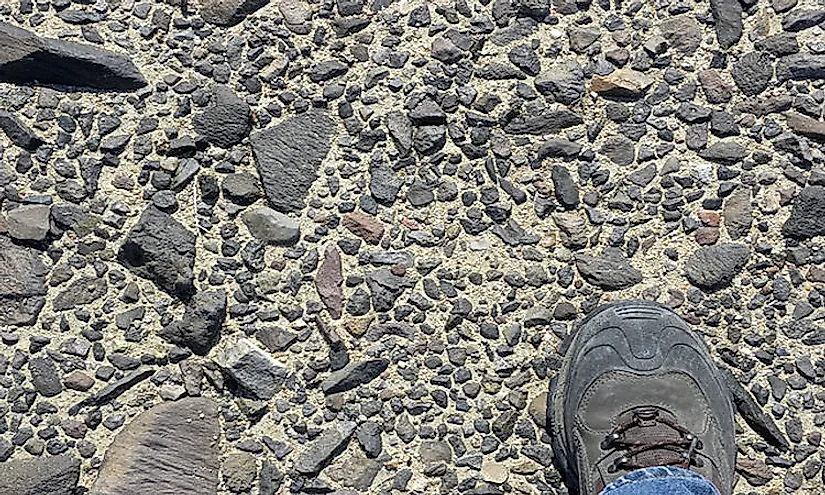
(28, 59)
(18, 132)
(200, 327)
(162, 250)
(750, 411)
(807, 218)
(288, 156)
(353, 375)
(728, 17)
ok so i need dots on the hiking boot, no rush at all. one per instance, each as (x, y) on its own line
(638, 389)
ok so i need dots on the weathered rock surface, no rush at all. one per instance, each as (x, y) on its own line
(609, 270)
(323, 449)
(288, 156)
(807, 218)
(714, 267)
(169, 449)
(256, 373)
(200, 328)
(225, 122)
(162, 250)
(53, 475)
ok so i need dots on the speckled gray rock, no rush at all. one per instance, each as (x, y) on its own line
(609, 270)
(28, 222)
(272, 227)
(169, 449)
(752, 72)
(200, 327)
(162, 250)
(22, 283)
(225, 122)
(28, 59)
(807, 218)
(288, 156)
(323, 449)
(728, 17)
(44, 377)
(714, 267)
(255, 372)
(53, 475)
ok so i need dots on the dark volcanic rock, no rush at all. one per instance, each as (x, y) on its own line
(752, 72)
(807, 218)
(44, 377)
(353, 375)
(801, 19)
(728, 17)
(54, 475)
(548, 122)
(609, 270)
(225, 122)
(386, 287)
(81, 292)
(171, 448)
(800, 66)
(200, 328)
(22, 283)
(727, 152)
(806, 126)
(750, 411)
(714, 267)
(162, 250)
(27, 59)
(323, 449)
(566, 191)
(229, 12)
(17, 132)
(288, 156)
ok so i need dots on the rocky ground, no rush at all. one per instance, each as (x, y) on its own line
(333, 247)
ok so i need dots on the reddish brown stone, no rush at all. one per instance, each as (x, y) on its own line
(328, 282)
(364, 226)
(706, 236)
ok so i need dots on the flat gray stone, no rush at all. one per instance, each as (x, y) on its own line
(714, 267)
(168, 450)
(28, 222)
(609, 270)
(353, 375)
(288, 156)
(81, 292)
(200, 327)
(55, 475)
(257, 373)
(323, 449)
(19, 134)
(272, 227)
(22, 283)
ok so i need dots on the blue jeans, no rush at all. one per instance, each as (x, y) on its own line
(661, 481)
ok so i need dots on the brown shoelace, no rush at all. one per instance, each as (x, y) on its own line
(652, 438)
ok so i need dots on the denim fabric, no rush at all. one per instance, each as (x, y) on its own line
(661, 480)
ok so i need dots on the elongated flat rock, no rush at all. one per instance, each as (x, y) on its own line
(25, 58)
(168, 450)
